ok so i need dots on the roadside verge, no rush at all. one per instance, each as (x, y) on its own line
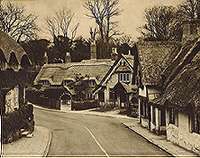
(88, 112)
(36, 146)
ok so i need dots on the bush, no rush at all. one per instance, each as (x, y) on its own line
(12, 123)
(84, 105)
(36, 97)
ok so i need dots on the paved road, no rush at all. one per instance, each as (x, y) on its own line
(79, 134)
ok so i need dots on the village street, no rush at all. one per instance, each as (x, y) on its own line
(79, 134)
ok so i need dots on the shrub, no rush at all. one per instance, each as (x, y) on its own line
(13, 123)
(37, 97)
(84, 105)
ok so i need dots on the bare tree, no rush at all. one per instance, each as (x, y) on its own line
(161, 24)
(104, 11)
(16, 23)
(124, 39)
(61, 24)
(93, 33)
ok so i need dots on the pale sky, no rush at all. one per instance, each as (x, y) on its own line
(130, 19)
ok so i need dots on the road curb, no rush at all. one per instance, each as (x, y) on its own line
(150, 141)
(162, 147)
(48, 145)
(84, 113)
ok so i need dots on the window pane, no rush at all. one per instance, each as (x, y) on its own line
(128, 79)
(124, 77)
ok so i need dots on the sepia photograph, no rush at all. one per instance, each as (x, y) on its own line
(100, 78)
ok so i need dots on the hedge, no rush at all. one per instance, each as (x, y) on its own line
(13, 123)
(36, 97)
(84, 105)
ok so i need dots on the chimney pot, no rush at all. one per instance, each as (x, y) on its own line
(67, 57)
(93, 50)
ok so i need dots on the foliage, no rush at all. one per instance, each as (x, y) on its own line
(36, 50)
(16, 23)
(189, 9)
(38, 97)
(80, 50)
(81, 87)
(161, 24)
(14, 122)
(84, 105)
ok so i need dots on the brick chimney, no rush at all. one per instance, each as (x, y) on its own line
(114, 55)
(93, 50)
(191, 29)
(45, 58)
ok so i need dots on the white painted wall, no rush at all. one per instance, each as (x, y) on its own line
(143, 92)
(181, 134)
(12, 100)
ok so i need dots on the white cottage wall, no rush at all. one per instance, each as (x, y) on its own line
(182, 135)
(12, 100)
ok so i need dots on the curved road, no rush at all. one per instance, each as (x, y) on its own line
(86, 135)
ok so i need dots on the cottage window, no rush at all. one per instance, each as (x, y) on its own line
(124, 77)
(44, 82)
(172, 115)
(128, 77)
(141, 108)
(196, 123)
(92, 83)
(144, 108)
(112, 95)
(154, 115)
(101, 96)
(163, 120)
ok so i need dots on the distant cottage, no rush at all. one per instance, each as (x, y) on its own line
(102, 75)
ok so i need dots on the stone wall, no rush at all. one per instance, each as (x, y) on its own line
(184, 138)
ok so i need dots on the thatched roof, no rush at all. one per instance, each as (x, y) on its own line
(186, 55)
(57, 73)
(129, 58)
(184, 90)
(8, 46)
(154, 57)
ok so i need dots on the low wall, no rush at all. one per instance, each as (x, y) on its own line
(183, 138)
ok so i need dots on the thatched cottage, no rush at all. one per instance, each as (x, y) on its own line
(13, 59)
(101, 74)
(154, 57)
(175, 111)
(16, 115)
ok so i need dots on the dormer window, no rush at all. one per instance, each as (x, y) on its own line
(45, 82)
(124, 77)
(92, 83)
